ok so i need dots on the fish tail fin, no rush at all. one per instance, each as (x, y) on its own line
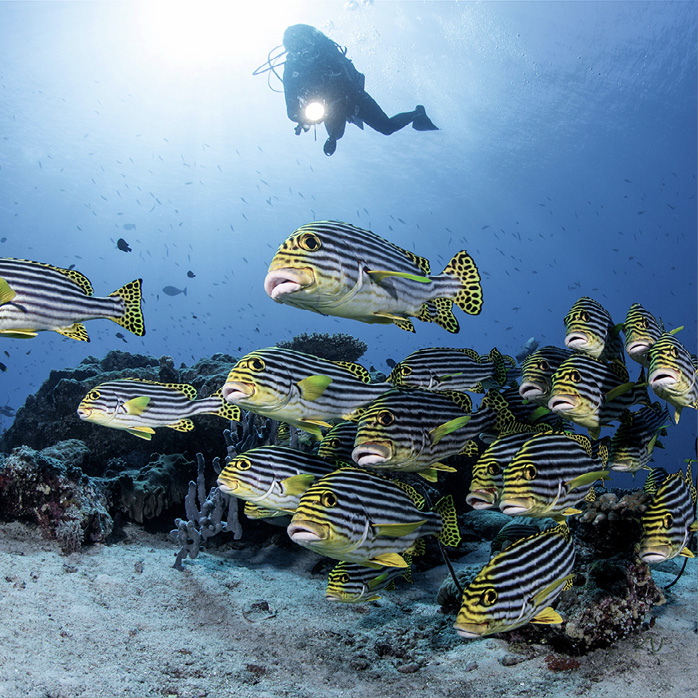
(185, 291)
(462, 268)
(440, 311)
(449, 534)
(132, 318)
(225, 409)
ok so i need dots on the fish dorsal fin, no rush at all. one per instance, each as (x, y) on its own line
(470, 449)
(313, 387)
(6, 293)
(357, 370)
(449, 427)
(297, 484)
(137, 405)
(398, 530)
(421, 262)
(378, 275)
(75, 331)
(387, 560)
(460, 399)
(412, 493)
(187, 390)
(471, 353)
(583, 441)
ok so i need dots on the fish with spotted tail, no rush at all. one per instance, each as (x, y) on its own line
(341, 270)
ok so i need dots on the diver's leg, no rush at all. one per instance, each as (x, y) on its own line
(371, 113)
(335, 130)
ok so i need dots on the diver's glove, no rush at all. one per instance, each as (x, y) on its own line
(330, 146)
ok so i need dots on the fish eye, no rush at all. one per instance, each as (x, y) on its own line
(328, 499)
(343, 578)
(256, 364)
(385, 418)
(489, 597)
(493, 469)
(543, 365)
(241, 464)
(530, 471)
(405, 370)
(310, 242)
(576, 377)
(584, 316)
(644, 323)
(674, 352)
(93, 395)
(334, 443)
(668, 521)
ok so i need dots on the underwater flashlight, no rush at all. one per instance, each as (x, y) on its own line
(314, 112)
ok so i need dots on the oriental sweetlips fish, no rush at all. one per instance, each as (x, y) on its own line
(352, 583)
(592, 393)
(356, 516)
(36, 296)
(551, 474)
(451, 369)
(641, 331)
(517, 586)
(669, 519)
(140, 406)
(589, 329)
(299, 388)
(636, 437)
(414, 430)
(673, 373)
(273, 477)
(537, 373)
(338, 443)
(338, 269)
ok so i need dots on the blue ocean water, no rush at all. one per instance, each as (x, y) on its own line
(565, 164)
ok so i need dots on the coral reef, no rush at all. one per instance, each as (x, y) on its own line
(336, 347)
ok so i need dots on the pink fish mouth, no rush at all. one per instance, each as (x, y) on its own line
(233, 391)
(227, 486)
(281, 282)
(303, 531)
(663, 378)
(562, 403)
(84, 412)
(655, 555)
(577, 341)
(515, 507)
(530, 390)
(482, 498)
(638, 348)
(470, 630)
(372, 452)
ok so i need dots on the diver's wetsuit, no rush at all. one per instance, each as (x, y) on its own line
(317, 69)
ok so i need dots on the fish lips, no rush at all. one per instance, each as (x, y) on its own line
(637, 349)
(234, 391)
(482, 498)
(227, 486)
(515, 507)
(656, 554)
(531, 391)
(281, 282)
(372, 453)
(302, 531)
(562, 403)
(471, 630)
(84, 412)
(663, 378)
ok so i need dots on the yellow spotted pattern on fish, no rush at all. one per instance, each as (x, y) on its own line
(517, 586)
(299, 388)
(669, 519)
(35, 297)
(140, 406)
(641, 331)
(341, 270)
(589, 329)
(672, 373)
(362, 517)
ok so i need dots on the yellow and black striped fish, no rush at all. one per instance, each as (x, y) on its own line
(641, 331)
(439, 368)
(338, 269)
(352, 583)
(299, 388)
(673, 373)
(537, 372)
(551, 474)
(592, 393)
(360, 517)
(414, 430)
(273, 477)
(488, 472)
(636, 437)
(338, 443)
(589, 329)
(517, 586)
(36, 297)
(140, 406)
(669, 519)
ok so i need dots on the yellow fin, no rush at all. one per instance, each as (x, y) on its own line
(6, 293)
(430, 475)
(548, 617)
(132, 318)
(18, 334)
(137, 405)
(448, 428)
(587, 479)
(686, 553)
(618, 391)
(297, 484)
(378, 276)
(571, 510)
(75, 331)
(142, 432)
(693, 526)
(388, 560)
(184, 425)
(397, 530)
(313, 387)
(676, 329)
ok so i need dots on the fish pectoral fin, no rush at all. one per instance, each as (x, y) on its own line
(6, 293)
(379, 275)
(538, 413)
(389, 560)
(594, 432)
(686, 553)
(587, 479)
(693, 527)
(75, 331)
(564, 582)
(618, 391)
(184, 425)
(18, 334)
(570, 511)
(142, 432)
(677, 414)
(311, 427)
(297, 484)
(397, 530)
(313, 387)
(676, 329)
(430, 474)
(448, 427)
(547, 616)
(136, 406)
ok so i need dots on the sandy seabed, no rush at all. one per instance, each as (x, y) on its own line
(118, 620)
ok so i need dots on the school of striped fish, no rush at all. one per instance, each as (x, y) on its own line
(532, 447)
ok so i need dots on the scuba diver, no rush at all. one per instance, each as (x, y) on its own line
(322, 85)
